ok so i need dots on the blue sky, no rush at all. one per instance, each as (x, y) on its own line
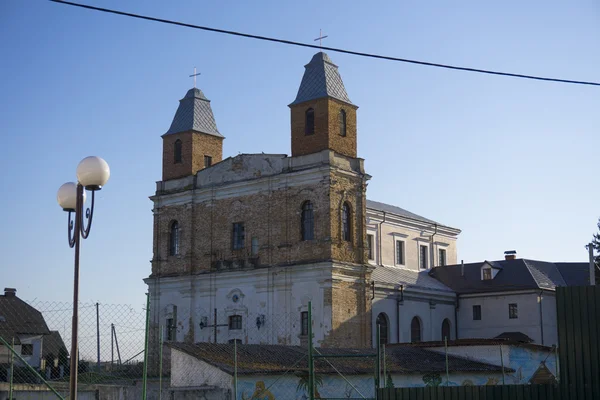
(513, 163)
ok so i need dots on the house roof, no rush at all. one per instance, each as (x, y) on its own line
(321, 79)
(194, 114)
(375, 205)
(518, 274)
(52, 344)
(264, 359)
(575, 274)
(515, 337)
(507, 340)
(19, 318)
(408, 278)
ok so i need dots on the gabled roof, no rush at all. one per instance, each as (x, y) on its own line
(53, 344)
(321, 79)
(408, 278)
(277, 359)
(518, 274)
(19, 318)
(194, 114)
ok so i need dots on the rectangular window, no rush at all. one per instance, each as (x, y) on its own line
(476, 313)
(442, 257)
(370, 247)
(399, 252)
(513, 311)
(234, 341)
(254, 246)
(423, 260)
(304, 323)
(238, 236)
(207, 161)
(487, 274)
(235, 322)
(27, 349)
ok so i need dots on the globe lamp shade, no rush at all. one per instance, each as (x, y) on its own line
(93, 173)
(67, 196)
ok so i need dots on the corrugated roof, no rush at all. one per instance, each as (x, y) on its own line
(518, 274)
(194, 114)
(388, 208)
(321, 79)
(408, 278)
(261, 359)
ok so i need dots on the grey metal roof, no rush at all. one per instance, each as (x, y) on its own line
(575, 274)
(321, 79)
(194, 114)
(519, 274)
(408, 278)
(375, 205)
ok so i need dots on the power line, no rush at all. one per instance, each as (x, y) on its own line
(338, 50)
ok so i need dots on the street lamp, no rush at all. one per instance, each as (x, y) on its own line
(92, 174)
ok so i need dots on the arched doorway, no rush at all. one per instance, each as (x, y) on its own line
(415, 330)
(382, 323)
(446, 329)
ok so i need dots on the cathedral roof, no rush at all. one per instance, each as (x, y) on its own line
(194, 114)
(321, 79)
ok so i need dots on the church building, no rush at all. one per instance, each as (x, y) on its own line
(243, 244)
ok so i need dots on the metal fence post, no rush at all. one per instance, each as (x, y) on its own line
(447, 369)
(235, 377)
(383, 361)
(311, 367)
(502, 364)
(145, 377)
(160, 359)
(378, 372)
(12, 368)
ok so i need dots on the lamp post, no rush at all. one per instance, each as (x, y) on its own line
(92, 174)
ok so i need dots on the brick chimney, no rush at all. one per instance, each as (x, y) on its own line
(510, 254)
(10, 292)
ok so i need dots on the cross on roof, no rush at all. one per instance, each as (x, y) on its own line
(195, 75)
(320, 38)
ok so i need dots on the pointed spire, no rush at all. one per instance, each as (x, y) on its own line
(321, 79)
(194, 114)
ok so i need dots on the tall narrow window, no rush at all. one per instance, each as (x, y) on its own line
(307, 221)
(423, 258)
(309, 122)
(255, 247)
(174, 239)
(207, 161)
(446, 329)
(304, 323)
(382, 325)
(370, 245)
(442, 257)
(346, 222)
(171, 329)
(238, 236)
(342, 123)
(415, 330)
(399, 252)
(235, 322)
(477, 313)
(513, 312)
(177, 152)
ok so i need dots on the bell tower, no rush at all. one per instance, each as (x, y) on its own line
(322, 115)
(193, 141)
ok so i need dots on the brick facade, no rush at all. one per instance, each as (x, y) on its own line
(327, 128)
(195, 146)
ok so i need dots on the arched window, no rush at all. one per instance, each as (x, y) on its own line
(346, 222)
(342, 123)
(382, 323)
(174, 239)
(415, 330)
(307, 221)
(309, 126)
(446, 329)
(177, 151)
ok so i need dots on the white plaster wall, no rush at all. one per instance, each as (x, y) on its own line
(189, 371)
(431, 317)
(494, 316)
(279, 294)
(35, 359)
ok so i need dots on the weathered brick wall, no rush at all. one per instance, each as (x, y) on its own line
(327, 128)
(194, 147)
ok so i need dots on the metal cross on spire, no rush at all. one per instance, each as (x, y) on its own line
(195, 75)
(320, 38)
